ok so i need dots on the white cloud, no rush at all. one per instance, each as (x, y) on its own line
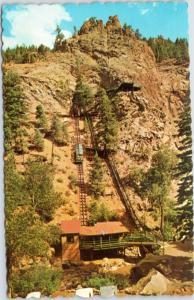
(144, 11)
(67, 33)
(35, 24)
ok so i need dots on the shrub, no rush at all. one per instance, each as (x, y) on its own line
(105, 280)
(37, 278)
(101, 213)
(38, 141)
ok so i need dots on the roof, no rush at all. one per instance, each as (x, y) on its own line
(71, 226)
(101, 228)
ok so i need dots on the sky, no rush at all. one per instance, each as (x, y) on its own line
(35, 24)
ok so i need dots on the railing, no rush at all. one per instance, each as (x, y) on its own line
(122, 192)
(115, 244)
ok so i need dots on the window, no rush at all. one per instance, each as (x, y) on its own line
(70, 239)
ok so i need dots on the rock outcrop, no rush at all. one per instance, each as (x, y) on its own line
(107, 56)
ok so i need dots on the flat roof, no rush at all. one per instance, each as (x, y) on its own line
(100, 228)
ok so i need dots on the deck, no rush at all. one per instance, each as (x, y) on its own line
(126, 242)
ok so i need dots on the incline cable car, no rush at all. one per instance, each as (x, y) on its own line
(78, 154)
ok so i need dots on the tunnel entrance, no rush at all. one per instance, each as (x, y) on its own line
(124, 87)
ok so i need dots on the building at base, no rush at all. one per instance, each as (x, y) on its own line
(83, 242)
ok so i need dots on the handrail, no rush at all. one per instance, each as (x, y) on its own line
(123, 193)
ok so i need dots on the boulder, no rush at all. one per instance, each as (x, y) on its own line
(157, 284)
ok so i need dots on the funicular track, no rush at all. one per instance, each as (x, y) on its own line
(117, 182)
(81, 183)
(122, 192)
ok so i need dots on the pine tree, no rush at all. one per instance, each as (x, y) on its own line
(13, 186)
(14, 107)
(40, 190)
(184, 208)
(38, 141)
(21, 143)
(107, 127)
(96, 177)
(59, 39)
(82, 96)
(58, 131)
(156, 183)
(42, 123)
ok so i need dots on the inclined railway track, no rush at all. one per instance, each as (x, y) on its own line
(122, 192)
(118, 183)
(81, 183)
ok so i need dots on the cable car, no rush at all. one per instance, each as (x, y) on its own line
(78, 154)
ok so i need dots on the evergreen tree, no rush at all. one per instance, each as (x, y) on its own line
(38, 141)
(159, 178)
(21, 143)
(41, 118)
(40, 190)
(138, 34)
(59, 39)
(107, 127)
(14, 109)
(58, 131)
(184, 208)
(13, 186)
(82, 96)
(167, 49)
(99, 212)
(96, 177)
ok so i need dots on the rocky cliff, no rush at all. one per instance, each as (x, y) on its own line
(108, 55)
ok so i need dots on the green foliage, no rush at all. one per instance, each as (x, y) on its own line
(14, 111)
(30, 199)
(96, 177)
(36, 278)
(13, 187)
(63, 90)
(42, 123)
(155, 185)
(38, 141)
(99, 212)
(184, 172)
(24, 54)
(25, 237)
(53, 235)
(135, 179)
(75, 31)
(21, 143)
(58, 131)
(43, 49)
(166, 49)
(138, 34)
(40, 190)
(107, 126)
(106, 280)
(83, 97)
(59, 39)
